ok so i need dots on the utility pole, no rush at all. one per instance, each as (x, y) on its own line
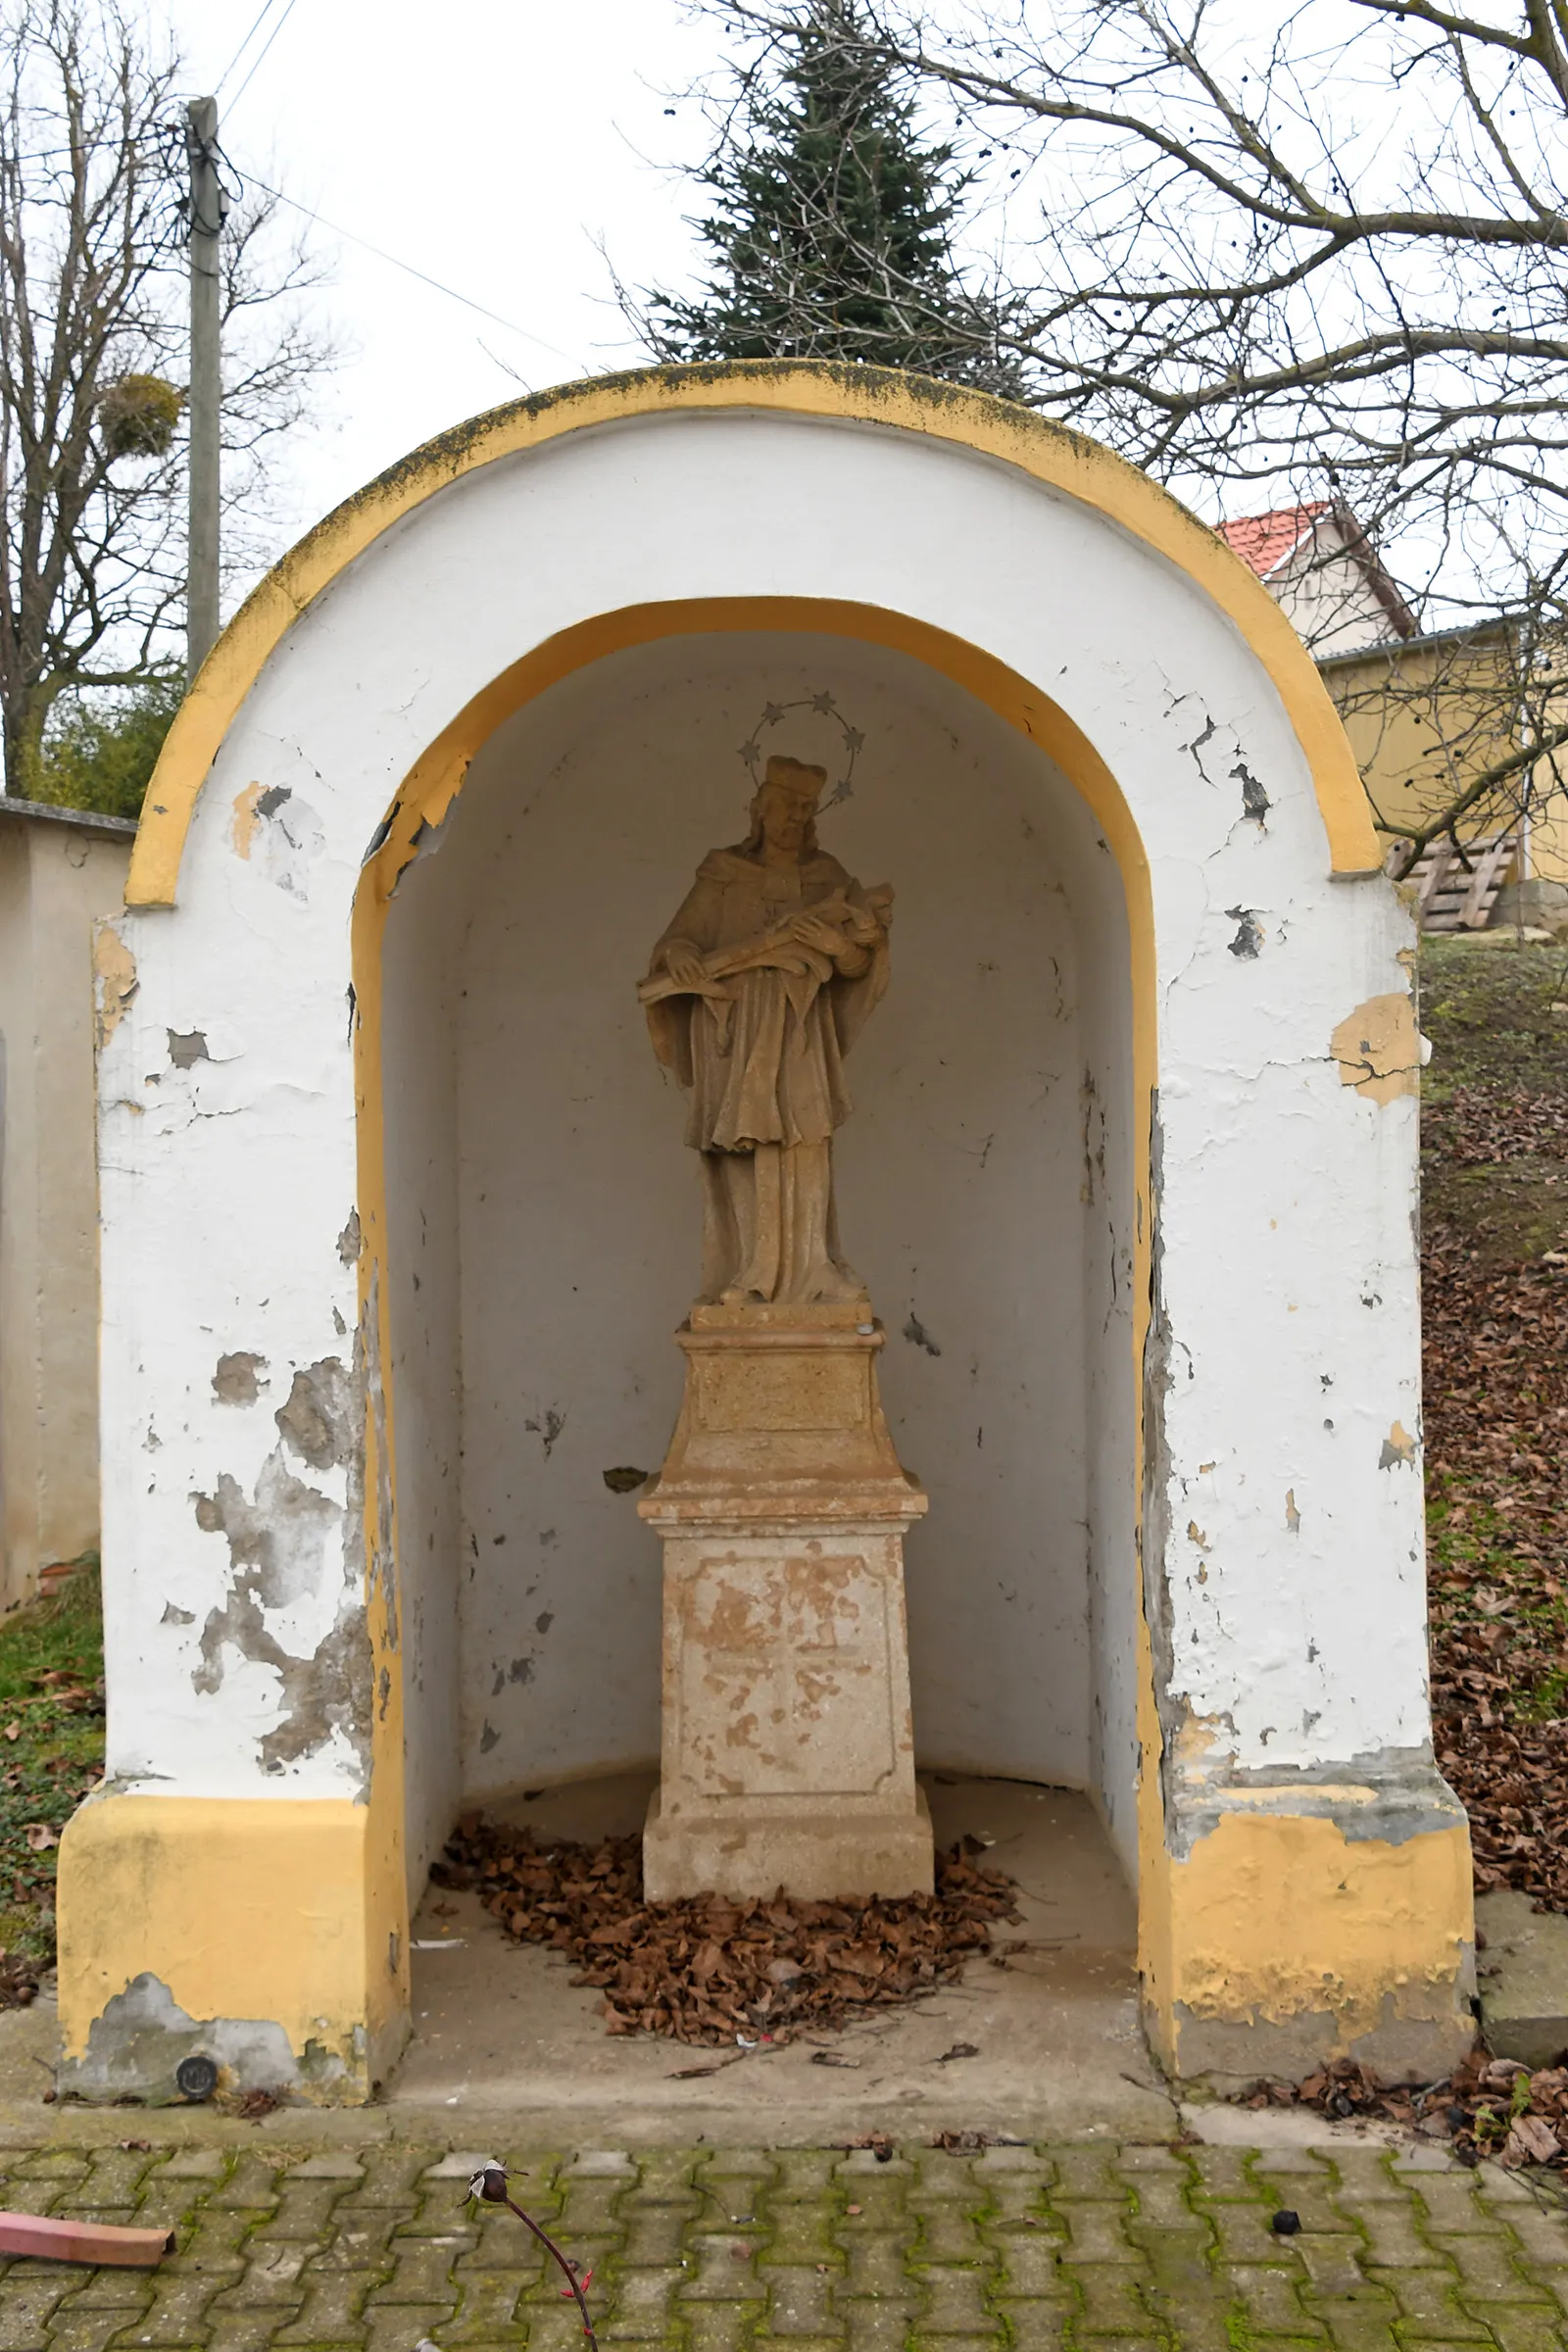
(206, 223)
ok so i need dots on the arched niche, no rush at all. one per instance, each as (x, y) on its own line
(542, 1215)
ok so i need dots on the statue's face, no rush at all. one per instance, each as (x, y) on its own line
(785, 819)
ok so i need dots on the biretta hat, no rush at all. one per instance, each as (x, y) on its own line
(795, 777)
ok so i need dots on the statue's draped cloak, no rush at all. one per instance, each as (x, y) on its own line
(769, 1066)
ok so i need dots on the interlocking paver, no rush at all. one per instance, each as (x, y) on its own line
(1269, 2296)
(333, 2309)
(799, 2300)
(876, 2266)
(952, 2304)
(1099, 2233)
(491, 2310)
(713, 2327)
(1526, 2328)
(303, 2209)
(179, 2313)
(872, 2325)
(1333, 2265)
(252, 2184)
(271, 2277)
(1036, 2327)
(423, 2267)
(644, 2306)
(1111, 2301)
(1489, 2269)
(1426, 2300)
(92, 2331)
(1086, 2248)
(724, 2270)
(27, 2304)
(1030, 2266)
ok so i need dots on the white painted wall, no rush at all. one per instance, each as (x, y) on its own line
(1287, 1257)
(965, 1194)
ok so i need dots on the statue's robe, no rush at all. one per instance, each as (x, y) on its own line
(764, 1072)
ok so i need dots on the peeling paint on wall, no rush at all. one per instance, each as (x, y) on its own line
(114, 981)
(1377, 1047)
(1249, 939)
(285, 1542)
(285, 829)
(1397, 1447)
(238, 1378)
(186, 1048)
(244, 820)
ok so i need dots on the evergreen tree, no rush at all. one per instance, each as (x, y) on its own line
(832, 222)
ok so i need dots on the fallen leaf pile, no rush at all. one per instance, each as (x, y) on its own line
(710, 1972)
(1486, 1126)
(1495, 1345)
(1487, 2107)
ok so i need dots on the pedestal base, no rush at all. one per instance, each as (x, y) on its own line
(818, 1857)
(788, 1755)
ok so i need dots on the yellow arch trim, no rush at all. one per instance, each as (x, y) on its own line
(1048, 453)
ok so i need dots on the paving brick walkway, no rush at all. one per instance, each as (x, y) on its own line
(1138, 2249)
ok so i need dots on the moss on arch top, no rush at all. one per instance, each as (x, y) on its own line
(1040, 449)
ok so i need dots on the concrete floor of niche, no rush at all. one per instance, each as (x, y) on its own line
(498, 2028)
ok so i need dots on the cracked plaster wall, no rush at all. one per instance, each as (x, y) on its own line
(1294, 1627)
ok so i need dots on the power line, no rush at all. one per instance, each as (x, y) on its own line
(423, 275)
(43, 154)
(263, 11)
(262, 53)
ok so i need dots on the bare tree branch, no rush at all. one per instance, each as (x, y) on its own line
(93, 356)
(1276, 261)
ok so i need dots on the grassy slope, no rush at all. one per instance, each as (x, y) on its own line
(51, 1753)
(1494, 1290)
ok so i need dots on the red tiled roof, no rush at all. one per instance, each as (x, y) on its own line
(1264, 541)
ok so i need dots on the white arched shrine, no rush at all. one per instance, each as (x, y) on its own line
(1135, 1152)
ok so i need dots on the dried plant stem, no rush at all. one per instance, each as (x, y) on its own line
(570, 2275)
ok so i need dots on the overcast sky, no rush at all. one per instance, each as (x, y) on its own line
(487, 143)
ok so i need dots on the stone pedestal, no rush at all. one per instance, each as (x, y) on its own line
(788, 1755)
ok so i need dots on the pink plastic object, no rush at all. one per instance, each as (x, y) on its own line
(83, 2241)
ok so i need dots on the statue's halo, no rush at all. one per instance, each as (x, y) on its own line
(823, 704)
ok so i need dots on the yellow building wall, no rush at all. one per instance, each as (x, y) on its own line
(1425, 720)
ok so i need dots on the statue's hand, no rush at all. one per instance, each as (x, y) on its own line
(684, 966)
(816, 931)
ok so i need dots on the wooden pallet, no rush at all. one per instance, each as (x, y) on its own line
(1457, 889)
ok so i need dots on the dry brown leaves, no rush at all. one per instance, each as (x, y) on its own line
(1486, 1126)
(19, 1981)
(1487, 2107)
(710, 1972)
(1496, 1417)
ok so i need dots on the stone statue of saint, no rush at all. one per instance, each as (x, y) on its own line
(756, 993)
